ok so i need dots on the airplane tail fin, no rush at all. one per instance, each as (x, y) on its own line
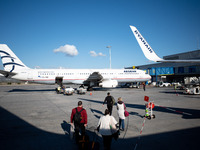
(146, 48)
(11, 62)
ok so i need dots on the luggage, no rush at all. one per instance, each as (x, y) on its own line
(94, 144)
(72, 132)
(83, 142)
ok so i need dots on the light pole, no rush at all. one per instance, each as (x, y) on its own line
(110, 54)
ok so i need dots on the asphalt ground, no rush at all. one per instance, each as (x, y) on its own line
(34, 117)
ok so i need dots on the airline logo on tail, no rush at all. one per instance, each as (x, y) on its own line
(143, 41)
(11, 62)
(150, 53)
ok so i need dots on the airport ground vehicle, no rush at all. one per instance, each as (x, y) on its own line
(163, 84)
(131, 85)
(81, 90)
(68, 90)
(192, 85)
(59, 90)
(192, 90)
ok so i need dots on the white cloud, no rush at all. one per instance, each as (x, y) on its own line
(101, 54)
(94, 54)
(69, 50)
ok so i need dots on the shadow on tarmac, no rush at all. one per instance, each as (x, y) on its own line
(25, 90)
(17, 134)
(186, 113)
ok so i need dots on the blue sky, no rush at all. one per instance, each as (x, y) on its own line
(75, 33)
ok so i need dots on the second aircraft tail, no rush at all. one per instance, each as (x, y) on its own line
(146, 48)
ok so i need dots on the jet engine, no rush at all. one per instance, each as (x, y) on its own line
(108, 83)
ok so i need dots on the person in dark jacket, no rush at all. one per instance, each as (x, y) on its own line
(83, 123)
(110, 102)
(144, 85)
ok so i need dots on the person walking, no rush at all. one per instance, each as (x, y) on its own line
(79, 120)
(105, 130)
(120, 110)
(144, 86)
(110, 102)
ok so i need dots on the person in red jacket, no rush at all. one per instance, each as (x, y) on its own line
(79, 126)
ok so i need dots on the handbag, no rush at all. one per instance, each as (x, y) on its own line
(72, 132)
(126, 113)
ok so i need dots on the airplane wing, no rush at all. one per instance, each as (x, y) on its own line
(149, 52)
(95, 76)
(94, 79)
(7, 73)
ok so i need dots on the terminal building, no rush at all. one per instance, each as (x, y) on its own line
(174, 72)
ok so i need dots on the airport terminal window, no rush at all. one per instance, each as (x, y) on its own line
(192, 69)
(180, 69)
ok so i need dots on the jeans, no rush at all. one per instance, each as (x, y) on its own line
(121, 123)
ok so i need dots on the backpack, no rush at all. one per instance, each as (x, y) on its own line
(113, 100)
(77, 116)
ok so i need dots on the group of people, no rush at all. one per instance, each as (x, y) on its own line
(107, 123)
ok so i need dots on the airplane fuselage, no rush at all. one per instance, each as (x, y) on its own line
(78, 76)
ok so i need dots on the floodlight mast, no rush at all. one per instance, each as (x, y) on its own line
(110, 54)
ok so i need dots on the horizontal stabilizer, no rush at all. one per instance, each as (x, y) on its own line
(7, 74)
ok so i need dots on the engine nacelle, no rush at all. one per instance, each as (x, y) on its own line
(108, 83)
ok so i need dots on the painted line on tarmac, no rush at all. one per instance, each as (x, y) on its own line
(140, 133)
(175, 110)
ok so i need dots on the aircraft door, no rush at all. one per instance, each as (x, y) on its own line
(59, 81)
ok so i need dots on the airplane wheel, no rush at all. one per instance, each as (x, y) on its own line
(89, 89)
(149, 117)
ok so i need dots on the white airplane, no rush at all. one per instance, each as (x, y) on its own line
(149, 52)
(15, 68)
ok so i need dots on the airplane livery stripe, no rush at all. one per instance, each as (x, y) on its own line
(1, 51)
(7, 57)
(12, 63)
(79, 79)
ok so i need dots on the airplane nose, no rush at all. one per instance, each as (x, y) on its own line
(148, 76)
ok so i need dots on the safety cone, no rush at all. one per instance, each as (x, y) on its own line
(90, 93)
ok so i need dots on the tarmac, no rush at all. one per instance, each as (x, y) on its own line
(34, 117)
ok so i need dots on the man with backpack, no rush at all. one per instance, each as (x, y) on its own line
(79, 119)
(110, 102)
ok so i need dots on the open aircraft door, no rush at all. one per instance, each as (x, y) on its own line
(59, 80)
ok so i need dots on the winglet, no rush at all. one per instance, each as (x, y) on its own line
(146, 48)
